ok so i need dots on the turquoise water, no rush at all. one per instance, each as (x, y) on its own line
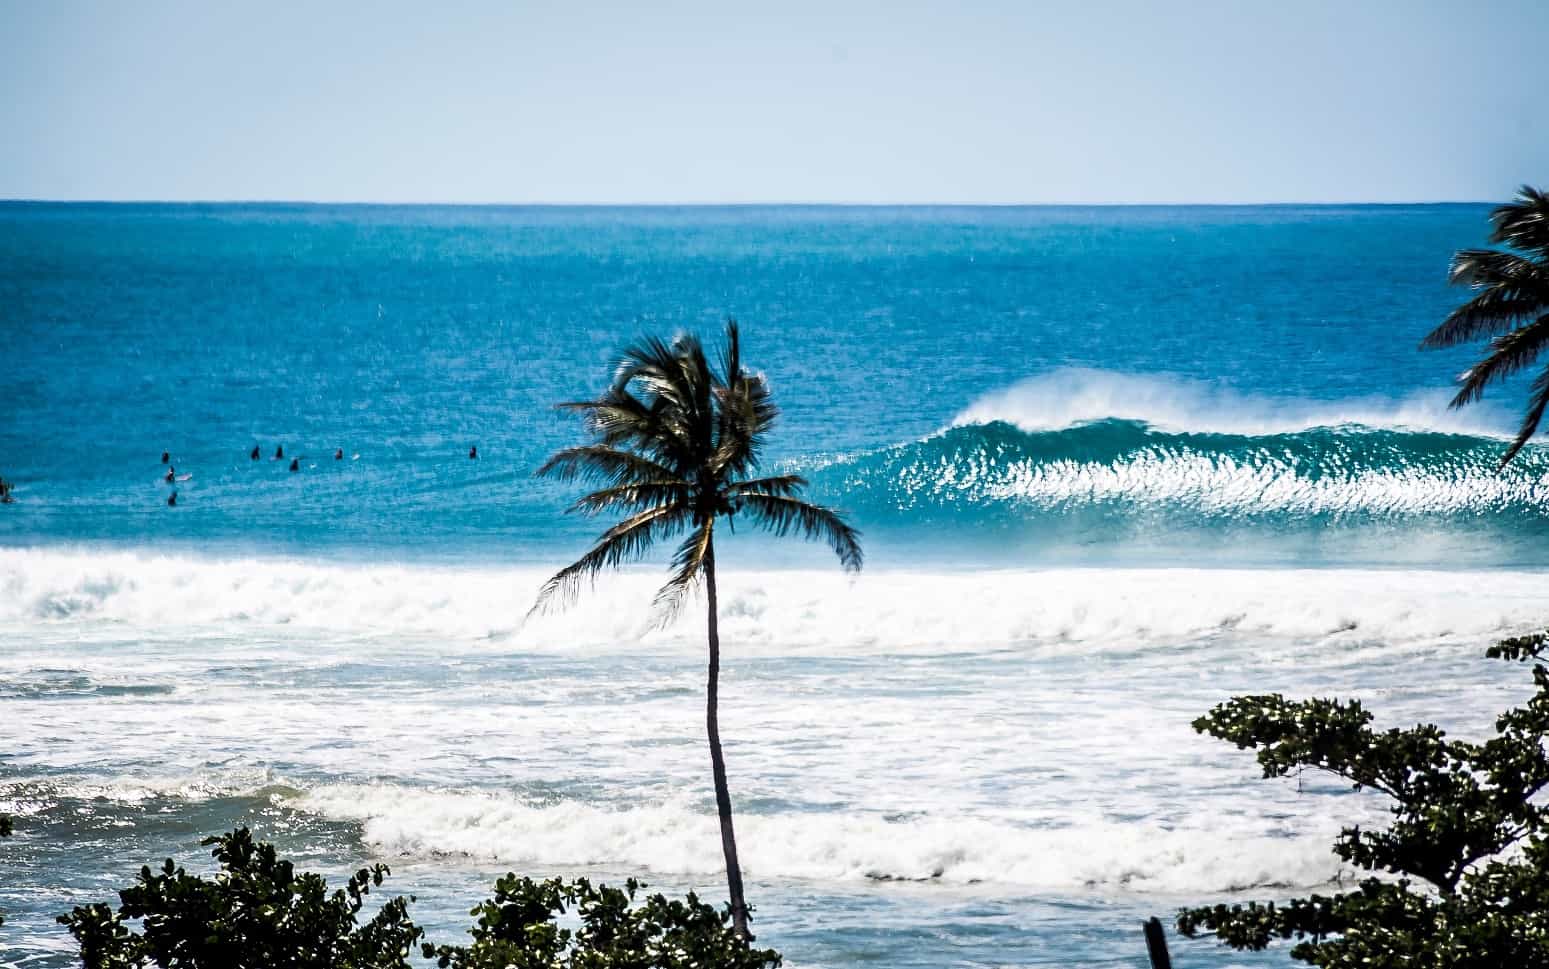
(1112, 465)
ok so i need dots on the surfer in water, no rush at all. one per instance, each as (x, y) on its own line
(166, 457)
(279, 452)
(253, 454)
(295, 464)
(473, 453)
(172, 500)
(171, 475)
(5, 492)
(338, 454)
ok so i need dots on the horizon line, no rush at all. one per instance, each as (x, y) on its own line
(1324, 203)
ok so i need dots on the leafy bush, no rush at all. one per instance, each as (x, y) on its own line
(258, 912)
(517, 930)
(1468, 843)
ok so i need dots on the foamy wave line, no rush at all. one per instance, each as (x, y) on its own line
(673, 839)
(762, 612)
(1071, 396)
(1224, 486)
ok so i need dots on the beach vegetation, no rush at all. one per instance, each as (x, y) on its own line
(256, 912)
(1460, 877)
(676, 447)
(259, 912)
(519, 928)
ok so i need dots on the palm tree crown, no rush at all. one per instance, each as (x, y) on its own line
(675, 444)
(1511, 307)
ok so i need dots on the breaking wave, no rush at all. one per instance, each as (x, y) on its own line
(68, 594)
(1107, 467)
(675, 839)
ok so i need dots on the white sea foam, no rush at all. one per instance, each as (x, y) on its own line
(1222, 488)
(776, 611)
(671, 838)
(1070, 396)
(1025, 728)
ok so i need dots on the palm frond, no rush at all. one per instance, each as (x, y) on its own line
(1523, 223)
(632, 497)
(619, 419)
(628, 539)
(675, 383)
(782, 515)
(688, 564)
(650, 357)
(783, 485)
(746, 411)
(1513, 289)
(731, 352)
(1537, 402)
(600, 462)
(1508, 354)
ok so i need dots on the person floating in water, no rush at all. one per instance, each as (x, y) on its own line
(253, 454)
(171, 475)
(338, 454)
(473, 453)
(166, 457)
(279, 452)
(172, 500)
(5, 492)
(295, 464)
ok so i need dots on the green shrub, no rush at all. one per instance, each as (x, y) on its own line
(258, 912)
(517, 929)
(1467, 851)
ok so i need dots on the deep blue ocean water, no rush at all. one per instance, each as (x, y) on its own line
(408, 335)
(1112, 464)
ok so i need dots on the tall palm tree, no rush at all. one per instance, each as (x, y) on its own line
(1511, 307)
(675, 446)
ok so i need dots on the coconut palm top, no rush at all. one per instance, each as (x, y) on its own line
(676, 446)
(1511, 307)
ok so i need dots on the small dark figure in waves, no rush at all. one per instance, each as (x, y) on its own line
(171, 475)
(172, 500)
(279, 453)
(166, 457)
(473, 453)
(253, 454)
(295, 464)
(5, 492)
(338, 454)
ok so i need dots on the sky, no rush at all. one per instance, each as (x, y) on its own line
(1100, 101)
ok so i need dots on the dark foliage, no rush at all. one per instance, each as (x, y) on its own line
(1467, 852)
(1511, 308)
(675, 442)
(258, 912)
(517, 929)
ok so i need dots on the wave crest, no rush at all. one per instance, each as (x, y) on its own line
(1074, 395)
(674, 839)
(779, 612)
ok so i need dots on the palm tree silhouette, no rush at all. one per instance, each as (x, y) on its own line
(675, 445)
(1511, 308)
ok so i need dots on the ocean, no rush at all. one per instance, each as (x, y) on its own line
(1112, 465)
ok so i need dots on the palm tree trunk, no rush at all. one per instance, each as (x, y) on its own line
(739, 908)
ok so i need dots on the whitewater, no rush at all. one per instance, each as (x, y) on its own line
(1109, 473)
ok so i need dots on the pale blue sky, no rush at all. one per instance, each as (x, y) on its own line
(1120, 101)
